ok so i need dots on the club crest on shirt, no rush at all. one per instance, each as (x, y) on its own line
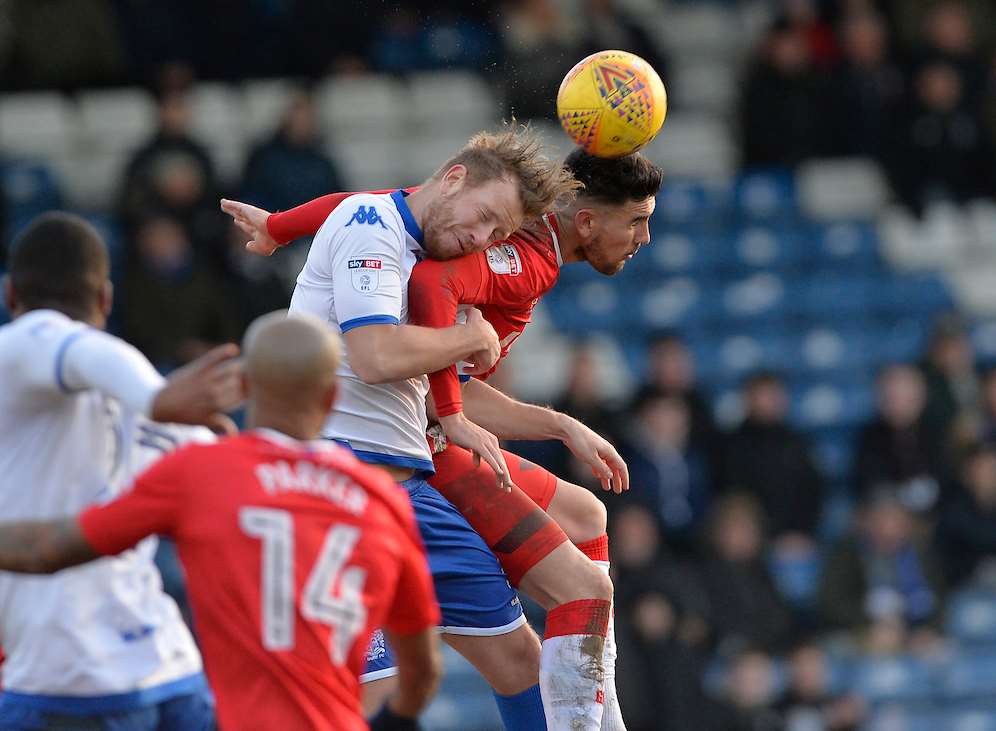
(504, 259)
(365, 274)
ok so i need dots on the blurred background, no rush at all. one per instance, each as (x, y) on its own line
(798, 370)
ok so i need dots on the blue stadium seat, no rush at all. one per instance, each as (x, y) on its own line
(826, 403)
(765, 194)
(826, 349)
(971, 616)
(899, 340)
(691, 249)
(984, 342)
(677, 302)
(759, 298)
(834, 456)
(911, 295)
(847, 245)
(911, 717)
(970, 674)
(893, 679)
(797, 578)
(831, 297)
(681, 200)
(732, 356)
(763, 246)
(29, 188)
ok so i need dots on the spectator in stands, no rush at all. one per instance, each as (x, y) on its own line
(810, 701)
(748, 696)
(949, 36)
(784, 119)
(671, 371)
(661, 628)
(867, 86)
(939, 150)
(172, 172)
(668, 474)
(745, 607)
(541, 43)
(952, 384)
(883, 573)
(257, 285)
(805, 16)
(584, 397)
(770, 460)
(967, 529)
(897, 448)
(987, 419)
(174, 310)
(291, 167)
(609, 25)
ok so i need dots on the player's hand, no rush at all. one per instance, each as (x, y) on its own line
(252, 221)
(464, 433)
(201, 391)
(606, 464)
(488, 350)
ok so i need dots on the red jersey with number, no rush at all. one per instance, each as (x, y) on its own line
(294, 552)
(504, 282)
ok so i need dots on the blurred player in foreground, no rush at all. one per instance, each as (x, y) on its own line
(605, 226)
(294, 550)
(103, 644)
(357, 276)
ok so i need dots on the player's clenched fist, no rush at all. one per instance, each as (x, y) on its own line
(201, 391)
(489, 351)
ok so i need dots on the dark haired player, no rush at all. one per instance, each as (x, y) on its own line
(606, 225)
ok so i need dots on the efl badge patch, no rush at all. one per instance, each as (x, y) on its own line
(504, 259)
(365, 274)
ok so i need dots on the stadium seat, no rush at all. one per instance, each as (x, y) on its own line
(700, 30)
(91, 177)
(845, 188)
(850, 245)
(116, 120)
(831, 297)
(266, 100)
(217, 120)
(455, 102)
(984, 341)
(757, 297)
(900, 339)
(684, 200)
(765, 194)
(911, 295)
(971, 617)
(371, 164)
(695, 145)
(682, 250)
(702, 86)
(970, 674)
(29, 188)
(680, 301)
(797, 577)
(40, 124)
(893, 679)
(766, 247)
(369, 107)
(831, 403)
(834, 456)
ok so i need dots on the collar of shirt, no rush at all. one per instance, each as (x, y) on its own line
(551, 225)
(411, 226)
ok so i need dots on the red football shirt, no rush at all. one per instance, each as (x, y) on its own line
(504, 281)
(294, 552)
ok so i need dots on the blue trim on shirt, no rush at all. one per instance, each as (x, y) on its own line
(411, 226)
(463, 378)
(98, 704)
(368, 320)
(60, 357)
(423, 467)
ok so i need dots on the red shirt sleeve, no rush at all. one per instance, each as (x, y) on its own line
(307, 218)
(434, 291)
(151, 507)
(414, 608)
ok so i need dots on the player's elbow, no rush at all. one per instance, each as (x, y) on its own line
(371, 369)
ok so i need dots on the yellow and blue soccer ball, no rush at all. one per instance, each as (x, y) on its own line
(612, 103)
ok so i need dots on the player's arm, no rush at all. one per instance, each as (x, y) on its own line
(511, 419)
(43, 547)
(269, 231)
(195, 394)
(435, 290)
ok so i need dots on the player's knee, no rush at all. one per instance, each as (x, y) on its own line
(588, 518)
(596, 584)
(520, 662)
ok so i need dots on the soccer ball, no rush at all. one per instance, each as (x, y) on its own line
(612, 103)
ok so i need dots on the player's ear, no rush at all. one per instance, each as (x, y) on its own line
(106, 298)
(584, 221)
(453, 179)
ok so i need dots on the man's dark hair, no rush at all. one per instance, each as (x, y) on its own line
(614, 181)
(59, 262)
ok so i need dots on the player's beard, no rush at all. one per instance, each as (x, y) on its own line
(594, 252)
(438, 240)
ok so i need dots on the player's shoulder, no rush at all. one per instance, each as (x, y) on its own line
(39, 334)
(362, 212)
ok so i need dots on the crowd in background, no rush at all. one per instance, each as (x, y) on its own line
(720, 550)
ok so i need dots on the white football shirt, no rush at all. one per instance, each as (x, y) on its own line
(357, 274)
(102, 636)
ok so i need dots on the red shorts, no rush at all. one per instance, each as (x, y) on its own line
(514, 525)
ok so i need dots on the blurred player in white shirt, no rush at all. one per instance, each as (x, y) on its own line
(99, 646)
